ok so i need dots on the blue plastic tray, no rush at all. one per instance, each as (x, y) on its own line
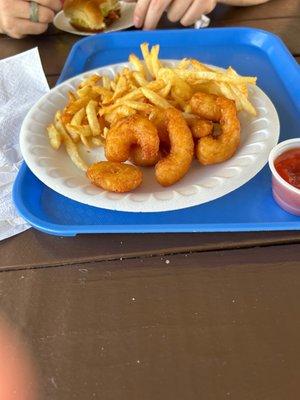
(250, 208)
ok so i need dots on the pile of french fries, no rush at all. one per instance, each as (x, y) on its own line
(100, 101)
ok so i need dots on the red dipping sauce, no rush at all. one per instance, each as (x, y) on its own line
(288, 167)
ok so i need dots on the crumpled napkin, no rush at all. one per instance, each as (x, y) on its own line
(203, 22)
(22, 83)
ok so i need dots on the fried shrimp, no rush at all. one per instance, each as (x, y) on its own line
(158, 118)
(200, 127)
(137, 158)
(205, 106)
(114, 176)
(128, 132)
(213, 150)
(177, 163)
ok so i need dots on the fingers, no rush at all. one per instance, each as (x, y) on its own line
(177, 9)
(25, 27)
(148, 12)
(197, 9)
(45, 14)
(154, 13)
(54, 5)
(140, 12)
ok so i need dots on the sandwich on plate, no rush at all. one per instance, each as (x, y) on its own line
(92, 15)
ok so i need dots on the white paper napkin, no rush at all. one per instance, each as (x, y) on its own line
(203, 22)
(22, 83)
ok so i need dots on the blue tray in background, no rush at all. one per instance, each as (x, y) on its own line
(251, 207)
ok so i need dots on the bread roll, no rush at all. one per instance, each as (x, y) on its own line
(91, 15)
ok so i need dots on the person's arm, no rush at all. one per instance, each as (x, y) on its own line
(243, 2)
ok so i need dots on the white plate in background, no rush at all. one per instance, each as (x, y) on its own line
(124, 22)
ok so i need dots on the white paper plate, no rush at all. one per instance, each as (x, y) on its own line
(202, 184)
(126, 21)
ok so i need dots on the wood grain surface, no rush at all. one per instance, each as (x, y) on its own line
(211, 326)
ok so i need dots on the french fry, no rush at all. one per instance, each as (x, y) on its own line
(73, 151)
(54, 137)
(134, 95)
(184, 63)
(121, 88)
(156, 85)
(97, 141)
(108, 109)
(66, 117)
(182, 90)
(91, 80)
(138, 65)
(199, 66)
(105, 132)
(155, 98)
(124, 111)
(62, 128)
(106, 94)
(106, 82)
(113, 85)
(247, 106)
(155, 63)
(91, 114)
(72, 133)
(71, 96)
(102, 91)
(215, 76)
(78, 117)
(57, 116)
(88, 91)
(147, 58)
(139, 106)
(77, 105)
(85, 141)
(164, 92)
(139, 78)
(179, 102)
(80, 130)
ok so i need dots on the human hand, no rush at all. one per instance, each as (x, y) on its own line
(148, 12)
(15, 14)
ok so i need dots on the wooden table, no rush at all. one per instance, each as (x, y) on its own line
(174, 316)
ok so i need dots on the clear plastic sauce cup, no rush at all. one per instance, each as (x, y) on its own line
(286, 195)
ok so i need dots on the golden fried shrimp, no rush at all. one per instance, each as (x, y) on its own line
(158, 118)
(200, 127)
(114, 176)
(128, 132)
(137, 158)
(177, 163)
(205, 106)
(211, 150)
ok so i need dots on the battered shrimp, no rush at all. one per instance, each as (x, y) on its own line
(128, 132)
(175, 165)
(205, 105)
(115, 177)
(200, 127)
(158, 118)
(137, 158)
(211, 150)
